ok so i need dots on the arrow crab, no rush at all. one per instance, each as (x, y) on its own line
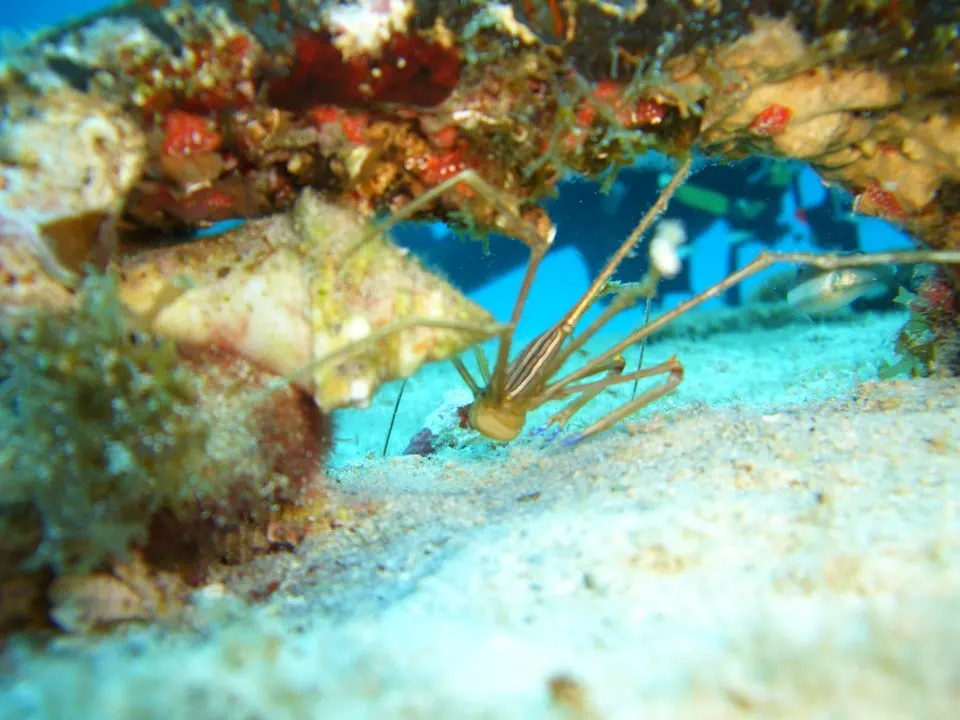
(517, 384)
(349, 363)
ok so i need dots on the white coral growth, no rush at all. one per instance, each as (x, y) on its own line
(664, 254)
(361, 28)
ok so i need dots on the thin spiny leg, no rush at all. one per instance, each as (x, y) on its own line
(560, 418)
(674, 378)
(553, 360)
(761, 262)
(624, 299)
(482, 365)
(393, 417)
(604, 383)
(351, 348)
(466, 376)
(525, 231)
(498, 380)
(600, 282)
(673, 366)
(592, 389)
(643, 343)
(587, 392)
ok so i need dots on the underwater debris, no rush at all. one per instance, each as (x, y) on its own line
(422, 443)
(445, 427)
(664, 247)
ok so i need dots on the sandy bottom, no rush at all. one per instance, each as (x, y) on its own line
(777, 539)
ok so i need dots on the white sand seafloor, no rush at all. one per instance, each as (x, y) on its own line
(778, 539)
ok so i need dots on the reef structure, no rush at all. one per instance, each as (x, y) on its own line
(173, 415)
(374, 102)
(314, 115)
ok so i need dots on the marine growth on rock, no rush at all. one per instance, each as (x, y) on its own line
(160, 390)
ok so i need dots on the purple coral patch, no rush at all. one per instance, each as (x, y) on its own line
(422, 443)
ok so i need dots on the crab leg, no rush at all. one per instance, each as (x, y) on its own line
(674, 370)
(364, 343)
(763, 261)
(501, 369)
(482, 364)
(466, 376)
(588, 391)
(625, 299)
(569, 322)
(525, 231)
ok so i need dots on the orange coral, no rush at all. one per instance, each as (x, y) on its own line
(771, 121)
(186, 133)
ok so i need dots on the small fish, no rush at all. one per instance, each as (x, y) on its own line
(817, 291)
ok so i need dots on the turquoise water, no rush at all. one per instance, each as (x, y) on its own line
(26, 17)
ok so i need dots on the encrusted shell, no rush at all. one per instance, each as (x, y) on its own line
(289, 290)
(66, 154)
(29, 271)
(130, 592)
(67, 163)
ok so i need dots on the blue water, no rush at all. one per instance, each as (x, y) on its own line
(24, 17)
(708, 259)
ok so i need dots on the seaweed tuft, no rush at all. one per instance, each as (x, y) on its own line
(97, 430)
(929, 344)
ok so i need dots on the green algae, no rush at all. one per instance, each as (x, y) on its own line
(97, 429)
